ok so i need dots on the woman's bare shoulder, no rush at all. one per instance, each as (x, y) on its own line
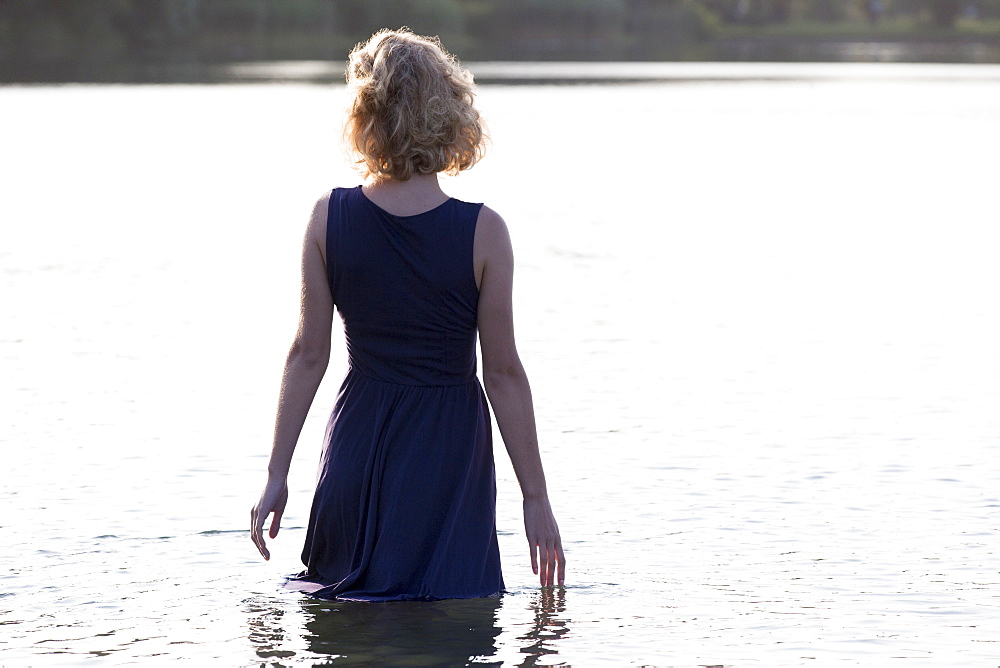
(317, 219)
(491, 229)
(320, 207)
(488, 216)
(315, 236)
(491, 246)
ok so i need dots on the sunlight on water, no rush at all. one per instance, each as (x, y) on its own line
(758, 318)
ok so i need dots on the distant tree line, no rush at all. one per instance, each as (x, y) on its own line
(101, 31)
(941, 13)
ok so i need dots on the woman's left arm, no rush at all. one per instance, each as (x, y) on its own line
(304, 368)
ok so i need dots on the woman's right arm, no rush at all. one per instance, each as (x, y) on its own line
(510, 394)
(304, 368)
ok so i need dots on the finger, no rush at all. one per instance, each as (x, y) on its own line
(550, 566)
(256, 528)
(555, 563)
(534, 559)
(261, 546)
(275, 524)
(562, 567)
(253, 525)
(543, 570)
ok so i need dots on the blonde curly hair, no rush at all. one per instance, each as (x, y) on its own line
(411, 108)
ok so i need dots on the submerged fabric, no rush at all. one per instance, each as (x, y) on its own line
(405, 502)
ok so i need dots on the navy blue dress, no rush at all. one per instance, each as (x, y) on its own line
(405, 504)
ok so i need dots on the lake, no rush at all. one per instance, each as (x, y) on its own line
(757, 306)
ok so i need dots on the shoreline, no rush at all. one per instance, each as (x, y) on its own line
(326, 72)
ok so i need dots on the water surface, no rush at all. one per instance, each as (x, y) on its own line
(758, 316)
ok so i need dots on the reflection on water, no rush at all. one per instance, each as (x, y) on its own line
(549, 626)
(451, 632)
(267, 633)
(454, 632)
(422, 633)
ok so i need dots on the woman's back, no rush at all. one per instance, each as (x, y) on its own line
(405, 287)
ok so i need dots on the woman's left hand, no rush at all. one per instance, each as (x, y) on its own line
(272, 500)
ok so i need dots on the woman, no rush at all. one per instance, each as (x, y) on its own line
(405, 502)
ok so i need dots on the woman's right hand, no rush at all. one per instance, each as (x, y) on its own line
(272, 500)
(547, 559)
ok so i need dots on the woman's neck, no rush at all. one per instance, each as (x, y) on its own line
(417, 194)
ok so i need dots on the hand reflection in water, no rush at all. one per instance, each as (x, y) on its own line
(548, 604)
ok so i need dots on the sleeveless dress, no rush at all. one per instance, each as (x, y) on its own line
(405, 503)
